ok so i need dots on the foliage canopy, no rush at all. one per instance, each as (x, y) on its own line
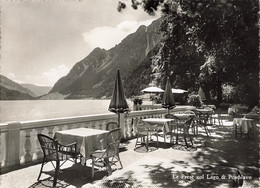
(209, 43)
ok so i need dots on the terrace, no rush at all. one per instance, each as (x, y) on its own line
(202, 165)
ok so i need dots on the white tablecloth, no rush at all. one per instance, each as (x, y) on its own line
(205, 110)
(232, 110)
(245, 123)
(236, 108)
(88, 140)
(184, 116)
(163, 122)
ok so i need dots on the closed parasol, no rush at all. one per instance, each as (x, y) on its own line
(168, 99)
(118, 102)
(202, 94)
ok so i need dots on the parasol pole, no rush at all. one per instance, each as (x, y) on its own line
(118, 120)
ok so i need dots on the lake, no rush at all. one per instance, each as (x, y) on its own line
(23, 110)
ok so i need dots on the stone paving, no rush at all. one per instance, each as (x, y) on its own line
(218, 152)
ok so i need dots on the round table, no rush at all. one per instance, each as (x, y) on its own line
(246, 126)
(184, 116)
(232, 110)
(210, 106)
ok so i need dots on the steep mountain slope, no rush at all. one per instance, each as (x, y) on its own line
(37, 90)
(141, 76)
(13, 88)
(8, 94)
(94, 76)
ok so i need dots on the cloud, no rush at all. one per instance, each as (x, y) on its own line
(48, 78)
(55, 74)
(108, 37)
(12, 77)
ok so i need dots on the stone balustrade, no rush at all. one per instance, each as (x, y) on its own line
(19, 144)
(147, 107)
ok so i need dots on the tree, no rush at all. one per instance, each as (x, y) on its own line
(209, 42)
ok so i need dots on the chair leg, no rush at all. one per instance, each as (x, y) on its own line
(41, 170)
(221, 121)
(147, 137)
(184, 135)
(56, 173)
(157, 141)
(136, 140)
(177, 135)
(119, 160)
(191, 140)
(235, 130)
(206, 130)
(109, 169)
(93, 169)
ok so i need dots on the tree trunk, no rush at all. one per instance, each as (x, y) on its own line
(219, 91)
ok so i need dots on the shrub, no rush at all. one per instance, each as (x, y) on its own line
(194, 100)
(138, 101)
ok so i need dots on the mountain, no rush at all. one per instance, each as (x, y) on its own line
(10, 90)
(94, 75)
(7, 94)
(37, 90)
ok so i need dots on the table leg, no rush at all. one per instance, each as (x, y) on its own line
(170, 133)
(164, 135)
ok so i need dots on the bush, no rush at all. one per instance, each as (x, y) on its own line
(194, 100)
(138, 101)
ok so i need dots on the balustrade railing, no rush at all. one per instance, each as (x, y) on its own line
(19, 144)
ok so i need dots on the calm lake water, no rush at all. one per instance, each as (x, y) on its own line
(45, 109)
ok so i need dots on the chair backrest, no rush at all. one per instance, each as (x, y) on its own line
(189, 112)
(170, 116)
(112, 125)
(142, 126)
(48, 145)
(202, 115)
(189, 123)
(113, 141)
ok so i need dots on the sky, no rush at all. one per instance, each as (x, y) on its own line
(41, 40)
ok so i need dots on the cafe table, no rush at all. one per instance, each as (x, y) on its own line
(247, 125)
(88, 140)
(252, 115)
(205, 110)
(236, 108)
(184, 117)
(209, 106)
(164, 123)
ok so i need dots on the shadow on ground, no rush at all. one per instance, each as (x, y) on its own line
(222, 161)
(215, 161)
(76, 175)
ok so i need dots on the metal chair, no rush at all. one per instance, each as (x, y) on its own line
(173, 125)
(184, 129)
(112, 125)
(53, 151)
(218, 117)
(194, 125)
(144, 133)
(110, 155)
(202, 120)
